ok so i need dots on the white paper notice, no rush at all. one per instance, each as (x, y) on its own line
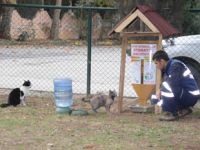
(136, 72)
(149, 73)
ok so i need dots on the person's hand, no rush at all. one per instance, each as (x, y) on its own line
(158, 94)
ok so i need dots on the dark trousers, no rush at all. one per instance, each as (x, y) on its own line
(172, 104)
(182, 101)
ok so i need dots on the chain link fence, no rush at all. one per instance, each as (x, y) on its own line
(186, 49)
(28, 54)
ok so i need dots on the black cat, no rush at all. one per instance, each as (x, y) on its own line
(17, 95)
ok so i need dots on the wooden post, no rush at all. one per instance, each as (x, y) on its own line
(143, 90)
(122, 72)
(142, 70)
(158, 72)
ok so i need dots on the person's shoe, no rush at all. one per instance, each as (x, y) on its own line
(184, 112)
(167, 116)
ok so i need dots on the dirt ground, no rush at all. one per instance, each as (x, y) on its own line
(38, 127)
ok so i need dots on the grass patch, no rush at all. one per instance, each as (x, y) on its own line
(40, 127)
(9, 123)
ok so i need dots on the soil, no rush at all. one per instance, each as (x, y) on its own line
(38, 126)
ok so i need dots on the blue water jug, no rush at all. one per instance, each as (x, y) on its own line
(63, 94)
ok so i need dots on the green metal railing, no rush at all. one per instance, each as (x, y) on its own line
(196, 10)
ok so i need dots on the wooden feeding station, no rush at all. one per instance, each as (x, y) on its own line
(142, 31)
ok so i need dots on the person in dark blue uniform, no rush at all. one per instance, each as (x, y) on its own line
(178, 91)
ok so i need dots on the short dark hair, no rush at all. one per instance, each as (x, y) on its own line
(160, 54)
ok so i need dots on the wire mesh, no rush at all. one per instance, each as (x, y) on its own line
(30, 55)
(186, 49)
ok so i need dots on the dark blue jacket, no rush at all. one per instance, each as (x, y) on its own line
(179, 77)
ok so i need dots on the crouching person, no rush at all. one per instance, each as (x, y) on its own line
(178, 91)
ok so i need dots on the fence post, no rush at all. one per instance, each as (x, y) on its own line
(89, 50)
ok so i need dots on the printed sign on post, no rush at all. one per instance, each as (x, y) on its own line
(149, 73)
(143, 52)
(136, 75)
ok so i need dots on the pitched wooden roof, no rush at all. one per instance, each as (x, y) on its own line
(150, 17)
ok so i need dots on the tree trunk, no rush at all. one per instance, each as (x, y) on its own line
(54, 34)
(125, 6)
(6, 22)
(6, 19)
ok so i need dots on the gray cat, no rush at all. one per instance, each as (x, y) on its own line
(100, 100)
